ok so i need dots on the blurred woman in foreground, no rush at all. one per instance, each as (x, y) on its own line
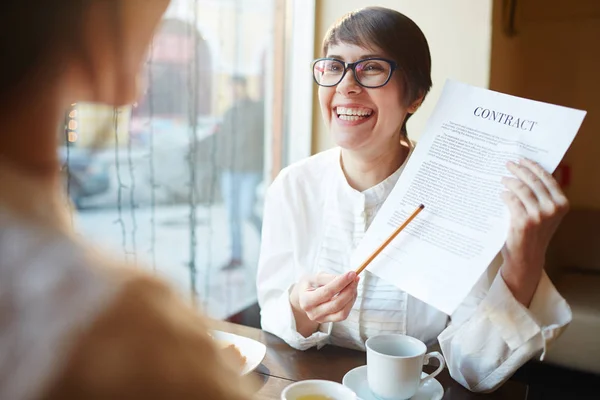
(74, 324)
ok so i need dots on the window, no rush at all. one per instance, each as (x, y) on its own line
(175, 182)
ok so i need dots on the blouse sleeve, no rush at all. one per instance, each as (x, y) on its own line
(278, 272)
(491, 334)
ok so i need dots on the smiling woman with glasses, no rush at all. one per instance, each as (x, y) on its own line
(374, 74)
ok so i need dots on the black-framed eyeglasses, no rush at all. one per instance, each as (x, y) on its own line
(370, 73)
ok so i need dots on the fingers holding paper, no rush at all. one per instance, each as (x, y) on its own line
(537, 205)
(535, 200)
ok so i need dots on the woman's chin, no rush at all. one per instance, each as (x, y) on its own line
(348, 141)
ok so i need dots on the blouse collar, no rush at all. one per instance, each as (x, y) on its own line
(377, 194)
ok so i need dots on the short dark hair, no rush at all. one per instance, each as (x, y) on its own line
(396, 35)
(31, 30)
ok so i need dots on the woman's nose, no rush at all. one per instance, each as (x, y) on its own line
(348, 85)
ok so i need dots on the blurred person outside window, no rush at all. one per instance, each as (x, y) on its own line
(240, 149)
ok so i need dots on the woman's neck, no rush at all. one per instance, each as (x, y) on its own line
(365, 171)
(28, 135)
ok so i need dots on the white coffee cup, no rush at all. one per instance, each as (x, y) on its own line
(395, 363)
(333, 390)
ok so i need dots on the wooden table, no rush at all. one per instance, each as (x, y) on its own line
(283, 365)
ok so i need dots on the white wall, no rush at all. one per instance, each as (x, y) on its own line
(459, 35)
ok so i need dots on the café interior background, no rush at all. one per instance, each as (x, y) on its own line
(151, 188)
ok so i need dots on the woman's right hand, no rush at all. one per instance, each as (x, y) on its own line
(323, 298)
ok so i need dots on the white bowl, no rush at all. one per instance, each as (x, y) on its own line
(331, 389)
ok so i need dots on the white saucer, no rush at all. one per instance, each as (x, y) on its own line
(357, 381)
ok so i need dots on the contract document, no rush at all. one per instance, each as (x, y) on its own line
(455, 171)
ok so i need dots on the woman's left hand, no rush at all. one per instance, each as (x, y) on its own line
(537, 205)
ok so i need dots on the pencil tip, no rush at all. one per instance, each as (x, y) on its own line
(422, 206)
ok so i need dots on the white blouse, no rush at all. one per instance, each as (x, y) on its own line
(47, 293)
(312, 222)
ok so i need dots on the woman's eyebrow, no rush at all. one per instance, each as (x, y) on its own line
(372, 56)
(362, 57)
